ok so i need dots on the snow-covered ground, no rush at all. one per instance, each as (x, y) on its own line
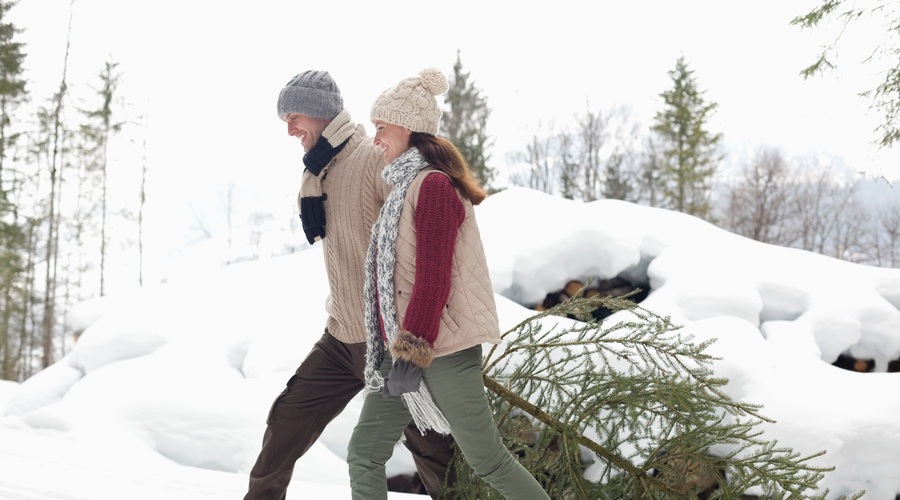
(166, 392)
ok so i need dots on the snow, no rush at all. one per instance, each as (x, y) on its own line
(166, 392)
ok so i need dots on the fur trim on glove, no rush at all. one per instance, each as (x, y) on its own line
(411, 348)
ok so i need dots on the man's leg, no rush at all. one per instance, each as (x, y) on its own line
(319, 390)
(433, 454)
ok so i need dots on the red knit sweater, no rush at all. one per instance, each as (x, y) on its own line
(439, 213)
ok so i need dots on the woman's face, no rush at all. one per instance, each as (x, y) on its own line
(392, 140)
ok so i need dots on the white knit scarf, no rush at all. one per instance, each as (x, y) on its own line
(379, 291)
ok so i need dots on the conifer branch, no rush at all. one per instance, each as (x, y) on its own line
(635, 397)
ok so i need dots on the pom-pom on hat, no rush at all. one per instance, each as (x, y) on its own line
(412, 103)
(311, 93)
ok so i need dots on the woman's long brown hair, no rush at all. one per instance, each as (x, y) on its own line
(443, 155)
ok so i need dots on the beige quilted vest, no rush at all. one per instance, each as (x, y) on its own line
(470, 314)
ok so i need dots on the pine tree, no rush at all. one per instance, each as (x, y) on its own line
(12, 82)
(885, 97)
(13, 243)
(12, 287)
(687, 150)
(634, 399)
(619, 184)
(465, 123)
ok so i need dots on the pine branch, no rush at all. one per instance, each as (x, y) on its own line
(564, 430)
(638, 395)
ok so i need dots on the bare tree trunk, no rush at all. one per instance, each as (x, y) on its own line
(49, 320)
(29, 327)
(143, 201)
(592, 132)
(103, 210)
(890, 222)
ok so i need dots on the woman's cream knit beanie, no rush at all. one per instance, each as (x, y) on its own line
(412, 103)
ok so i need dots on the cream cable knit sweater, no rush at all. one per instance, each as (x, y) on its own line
(355, 193)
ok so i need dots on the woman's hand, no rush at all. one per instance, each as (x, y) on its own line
(404, 377)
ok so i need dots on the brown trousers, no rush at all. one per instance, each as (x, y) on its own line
(324, 383)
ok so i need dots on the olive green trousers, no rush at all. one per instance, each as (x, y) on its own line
(457, 387)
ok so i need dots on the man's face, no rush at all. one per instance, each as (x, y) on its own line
(306, 128)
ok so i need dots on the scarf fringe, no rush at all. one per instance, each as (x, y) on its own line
(374, 383)
(424, 412)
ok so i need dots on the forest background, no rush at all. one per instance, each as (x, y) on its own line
(129, 156)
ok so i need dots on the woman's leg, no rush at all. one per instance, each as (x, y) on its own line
(381, 423)
(457, 386)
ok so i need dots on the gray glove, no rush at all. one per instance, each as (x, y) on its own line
(403, 377)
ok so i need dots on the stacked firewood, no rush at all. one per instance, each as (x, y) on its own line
(613, 287)
(864, 365)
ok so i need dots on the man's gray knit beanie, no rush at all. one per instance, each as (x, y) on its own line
(311, 93)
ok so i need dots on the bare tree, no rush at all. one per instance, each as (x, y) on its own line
(539, 158)
(822, 202)
(257, 221)
(567, 166)
(889, 220)
(54, 119)
(99, 132)
(850, 232)
(140, 214)
(228, 206)
(649, 173)
(757, 204)
(622, 170)
(883, 235)
(592, 136)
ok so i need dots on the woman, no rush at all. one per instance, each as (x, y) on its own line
(429, 302)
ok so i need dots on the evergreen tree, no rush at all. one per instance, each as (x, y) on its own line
(687, 150)
(619, 184)
(648, 174)
(885, 97)
(635, 399)
(13, 243)
(12, 83)
(465, 123)
(12, 287)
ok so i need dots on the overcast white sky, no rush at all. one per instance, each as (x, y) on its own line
(166, 393)
(207, 72)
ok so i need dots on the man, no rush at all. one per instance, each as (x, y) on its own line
(341, 193)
